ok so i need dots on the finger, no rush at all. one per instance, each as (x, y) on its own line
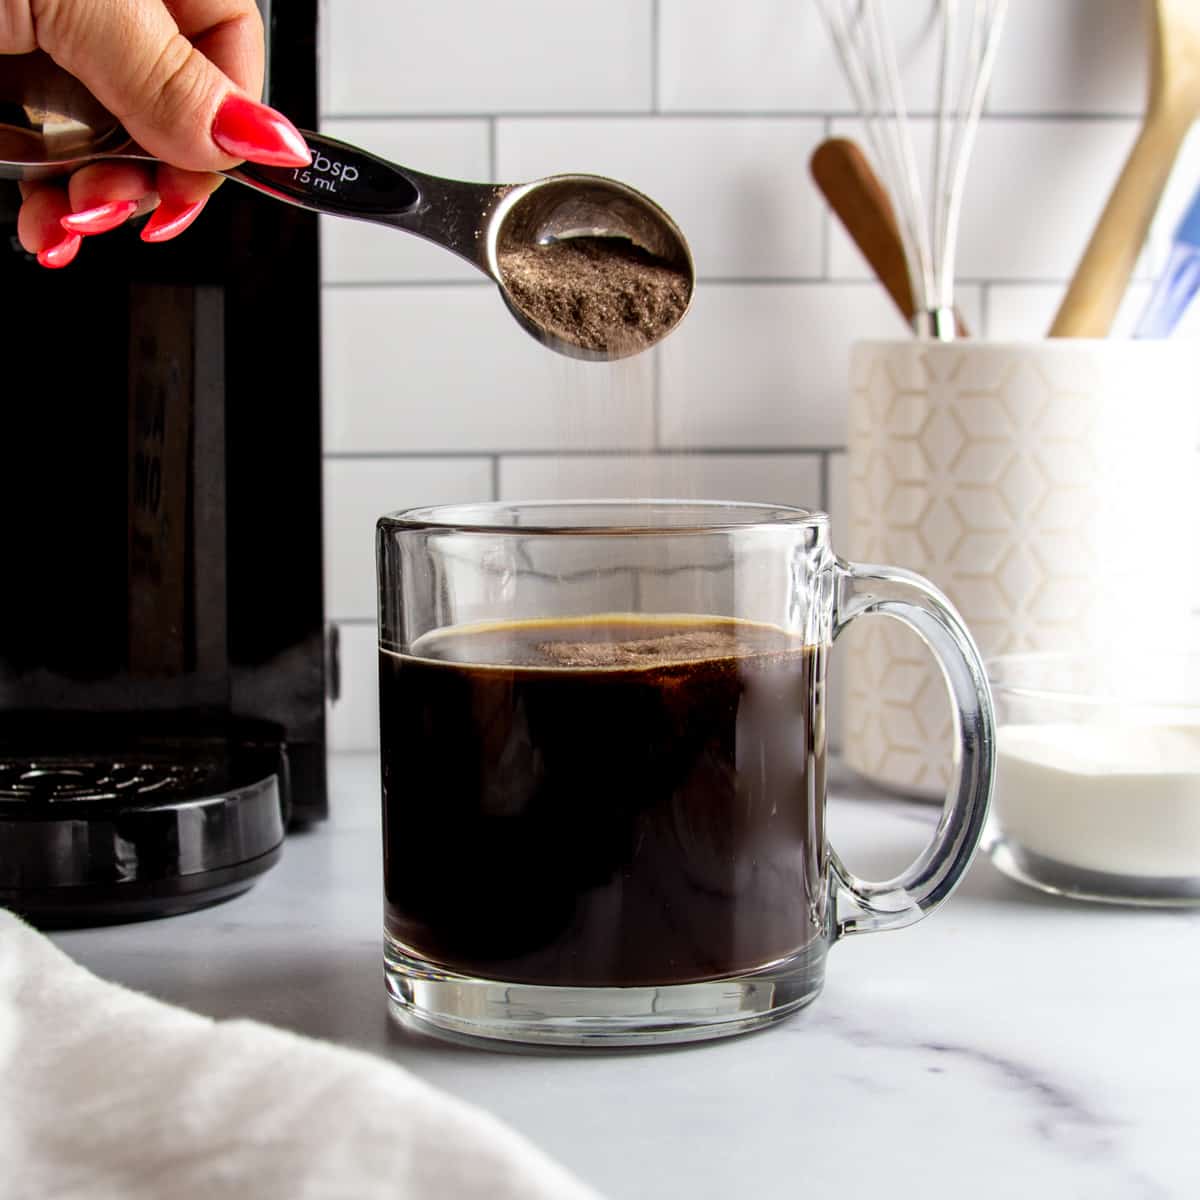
(39, 228)
(182, 197)
(105, 181)
(106, 195)
(17, 33)
(172, 99)
(236, 46)
(185, 187)
(38, 221)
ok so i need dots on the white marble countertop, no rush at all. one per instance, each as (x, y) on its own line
(1011, 1045)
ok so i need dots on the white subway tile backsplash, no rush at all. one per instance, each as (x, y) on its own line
(1020, 312)
(1017, 312)
(361, 252)
(1033, 194)
(1068, 57)
(837, 500)
(358, 491)
(771, 478)
(850, 264)
(767, 366)
(1071, 56)
(739, 188)
(460, 56)
(772, 55)
(353, 719)
(447, 369)
(432, 393)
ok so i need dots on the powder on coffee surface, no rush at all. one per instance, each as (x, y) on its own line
(598, 293)
(688, 646)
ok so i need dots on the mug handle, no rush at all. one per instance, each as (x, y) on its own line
(863, 590)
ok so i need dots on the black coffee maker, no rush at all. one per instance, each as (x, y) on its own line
(163, 662)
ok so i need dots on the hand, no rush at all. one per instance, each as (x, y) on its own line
(183, 77)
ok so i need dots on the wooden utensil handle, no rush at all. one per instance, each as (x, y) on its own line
(1104, 271)
(858, 199)
(854, 193)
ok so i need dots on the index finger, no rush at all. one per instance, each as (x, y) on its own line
(229, 33)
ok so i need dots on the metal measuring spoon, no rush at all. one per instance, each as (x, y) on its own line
(51, 125)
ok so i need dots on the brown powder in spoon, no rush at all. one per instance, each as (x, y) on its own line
(598, 293)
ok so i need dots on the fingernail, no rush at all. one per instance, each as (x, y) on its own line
(100, 219)
(62, 252)
(169, 220)
(247, 129)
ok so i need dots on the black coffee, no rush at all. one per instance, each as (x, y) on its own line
(604, 801)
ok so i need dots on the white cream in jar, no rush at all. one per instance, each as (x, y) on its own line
(1104, 796)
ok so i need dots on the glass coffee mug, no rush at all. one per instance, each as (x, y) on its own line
(603, 751)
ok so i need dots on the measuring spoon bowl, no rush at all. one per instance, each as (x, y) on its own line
(58, 127)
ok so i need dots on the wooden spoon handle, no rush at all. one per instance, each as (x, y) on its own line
(854, 193)
(1104, 271)
(861, 203)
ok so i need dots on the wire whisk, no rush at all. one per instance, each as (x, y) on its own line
(969, 43)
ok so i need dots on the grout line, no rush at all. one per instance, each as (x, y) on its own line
(577, 452)
(1003, 281)
(825, 482)
(458, 456)
(338, 285)
(495, 477)
(827, 219)
(1037, 118)
(985, 310)
(656, 393)
(707, 280)
(655, 47)
(493, 153)
(349, 285)
(708, 114)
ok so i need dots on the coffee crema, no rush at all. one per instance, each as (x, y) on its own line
(614, 800)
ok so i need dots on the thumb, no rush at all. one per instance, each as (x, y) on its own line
(175, 102)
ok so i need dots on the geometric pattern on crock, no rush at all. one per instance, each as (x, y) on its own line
(993, 471)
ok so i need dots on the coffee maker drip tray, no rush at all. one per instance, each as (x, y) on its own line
(147, 832)
(50, 780)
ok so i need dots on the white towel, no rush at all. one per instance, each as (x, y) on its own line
(108, 1093)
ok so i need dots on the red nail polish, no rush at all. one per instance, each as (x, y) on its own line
(169, 220)
(62, 252)
(100, 219)
(246, 129)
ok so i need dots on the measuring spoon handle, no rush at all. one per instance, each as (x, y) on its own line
(341, 181)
